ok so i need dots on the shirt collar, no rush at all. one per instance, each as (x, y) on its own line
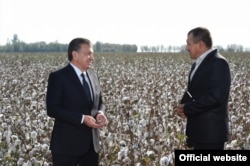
(77, 70)
(203, 56)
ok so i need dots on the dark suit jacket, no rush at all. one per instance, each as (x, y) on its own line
(207, 114)
(66, 103)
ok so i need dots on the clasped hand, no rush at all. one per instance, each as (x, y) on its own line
(99, 122)
(180, 111)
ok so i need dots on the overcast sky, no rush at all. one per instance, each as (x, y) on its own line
(140, 22)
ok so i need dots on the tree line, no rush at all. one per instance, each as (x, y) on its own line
(16, 45)
(232, 48)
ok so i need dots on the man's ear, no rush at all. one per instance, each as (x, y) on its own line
(202, 44)
(74, 54)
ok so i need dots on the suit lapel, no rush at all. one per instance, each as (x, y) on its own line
(95, 85)
(71, 74)
(92, 84)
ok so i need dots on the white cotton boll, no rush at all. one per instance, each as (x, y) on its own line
(27, 136)
(131, 122)
(126, 127)
(37, 147)
(33, 104)
(146, 135)
(33, 134)
(178, 129)
(44, 147)
(109, 139)
(246, 146)
(11, 147)
(233, 131)
(240, 129)
(31, 153)
(233, 118)
(151, 141)
(171, 157)
(34, 94)
(248, 114)
(4, 125)
(157, 132)
(34, 161)
(150, 153)
(20, 161)
(167, 142)
(172, 135)
(125, 99)
(23, 128)
(248, 139)
(7, 135)
(17, 142)
(41, 124)
(122, 143)
(28, 147)
(177, 141)
(143, 122)
(164, 161)
(228, 147)
(14, 137)
(138, 164)
(28, 163)
(140, 135)
(233, 143)
(14, 81)
(28, 123)
(121, 154)
(135, 147)
(160, 128)
(127, 160)
(140, 128)
(45, 163)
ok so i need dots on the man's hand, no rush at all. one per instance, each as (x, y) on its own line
(91, 122)
(180, 111)
(101, 119)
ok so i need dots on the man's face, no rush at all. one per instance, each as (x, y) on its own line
(84, 57)
(192, 48)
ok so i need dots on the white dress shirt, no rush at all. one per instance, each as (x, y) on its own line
(78, 73)
(199, 60)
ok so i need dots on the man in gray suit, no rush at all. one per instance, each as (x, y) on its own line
(74, 100)
(205, 103)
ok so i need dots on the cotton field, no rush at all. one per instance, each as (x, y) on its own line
(140, 92)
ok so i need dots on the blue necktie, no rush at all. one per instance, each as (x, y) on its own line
(86, 88)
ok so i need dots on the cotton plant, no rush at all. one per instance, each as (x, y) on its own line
(140, 95)
(164, 161)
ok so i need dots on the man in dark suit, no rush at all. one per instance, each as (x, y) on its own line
(205, 103)
(74, 100)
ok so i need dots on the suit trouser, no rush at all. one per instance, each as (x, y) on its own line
(89, 159)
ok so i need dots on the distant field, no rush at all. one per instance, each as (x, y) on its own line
(140, 91)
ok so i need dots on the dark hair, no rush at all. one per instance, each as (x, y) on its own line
(201, 34)
(75, 45)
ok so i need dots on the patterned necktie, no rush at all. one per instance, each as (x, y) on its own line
(86, 88)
